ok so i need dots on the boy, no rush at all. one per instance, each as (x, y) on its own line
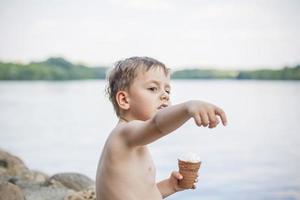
(139, 88)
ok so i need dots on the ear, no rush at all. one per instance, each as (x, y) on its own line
(122, 98)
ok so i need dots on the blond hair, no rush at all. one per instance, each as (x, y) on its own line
(123, 73)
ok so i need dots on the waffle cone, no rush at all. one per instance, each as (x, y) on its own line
(189, 172)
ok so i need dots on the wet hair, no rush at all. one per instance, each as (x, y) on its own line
(123, 73)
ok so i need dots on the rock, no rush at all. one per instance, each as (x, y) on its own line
(54, 184)
(74, 196)
(11, 165)
(35, 176)
(43, 191)
(9, 191)
(46, 193)
(88, 194)
(39, 190)
(17, 182)
(4, 179)
(74, 181)
(3, 171)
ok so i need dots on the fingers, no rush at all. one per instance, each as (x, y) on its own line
(196, 181)
(204, 118)
(198, 120)
(222, 115)
(213, 120)
(177, 175)
(210, 117)
(194, 186)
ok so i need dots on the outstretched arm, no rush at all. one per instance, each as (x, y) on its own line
(138, 133)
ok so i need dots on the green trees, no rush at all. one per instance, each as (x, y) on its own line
(51, 69)
(287, 73)
(61, 69)
(204, 74)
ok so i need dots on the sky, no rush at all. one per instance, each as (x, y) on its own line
(224, 34)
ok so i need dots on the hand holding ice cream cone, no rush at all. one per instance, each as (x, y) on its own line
(188, 168)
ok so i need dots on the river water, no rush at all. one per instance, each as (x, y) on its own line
(62, 126)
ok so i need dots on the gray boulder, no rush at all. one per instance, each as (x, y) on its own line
(46, 193)
(49, 190)
(74, 181)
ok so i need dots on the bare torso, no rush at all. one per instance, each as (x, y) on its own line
(125, 173)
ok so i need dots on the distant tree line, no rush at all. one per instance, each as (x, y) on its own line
(60, 69)
(51, 69)
(204, 74)
(287, 73)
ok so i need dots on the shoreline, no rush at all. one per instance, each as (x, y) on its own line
(18, 182)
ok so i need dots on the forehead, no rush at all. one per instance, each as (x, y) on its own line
(155, 74)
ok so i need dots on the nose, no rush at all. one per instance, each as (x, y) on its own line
(164, 96)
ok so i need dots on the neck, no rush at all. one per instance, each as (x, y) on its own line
(124, 119)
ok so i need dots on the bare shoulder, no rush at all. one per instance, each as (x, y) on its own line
(116, 147)
(137, 133)
(119, 135)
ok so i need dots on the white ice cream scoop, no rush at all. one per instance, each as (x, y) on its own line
(190, 157)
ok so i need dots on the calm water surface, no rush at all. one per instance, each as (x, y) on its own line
(62, 126)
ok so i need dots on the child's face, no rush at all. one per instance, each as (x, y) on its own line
(149, 93)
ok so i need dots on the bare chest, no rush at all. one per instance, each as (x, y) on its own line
(146, 164)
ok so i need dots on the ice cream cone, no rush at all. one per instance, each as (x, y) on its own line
(189, 171)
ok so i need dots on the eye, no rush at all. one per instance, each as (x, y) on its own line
(153, 89)
(168, 91)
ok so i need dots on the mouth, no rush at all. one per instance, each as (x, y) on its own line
(162, 106)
